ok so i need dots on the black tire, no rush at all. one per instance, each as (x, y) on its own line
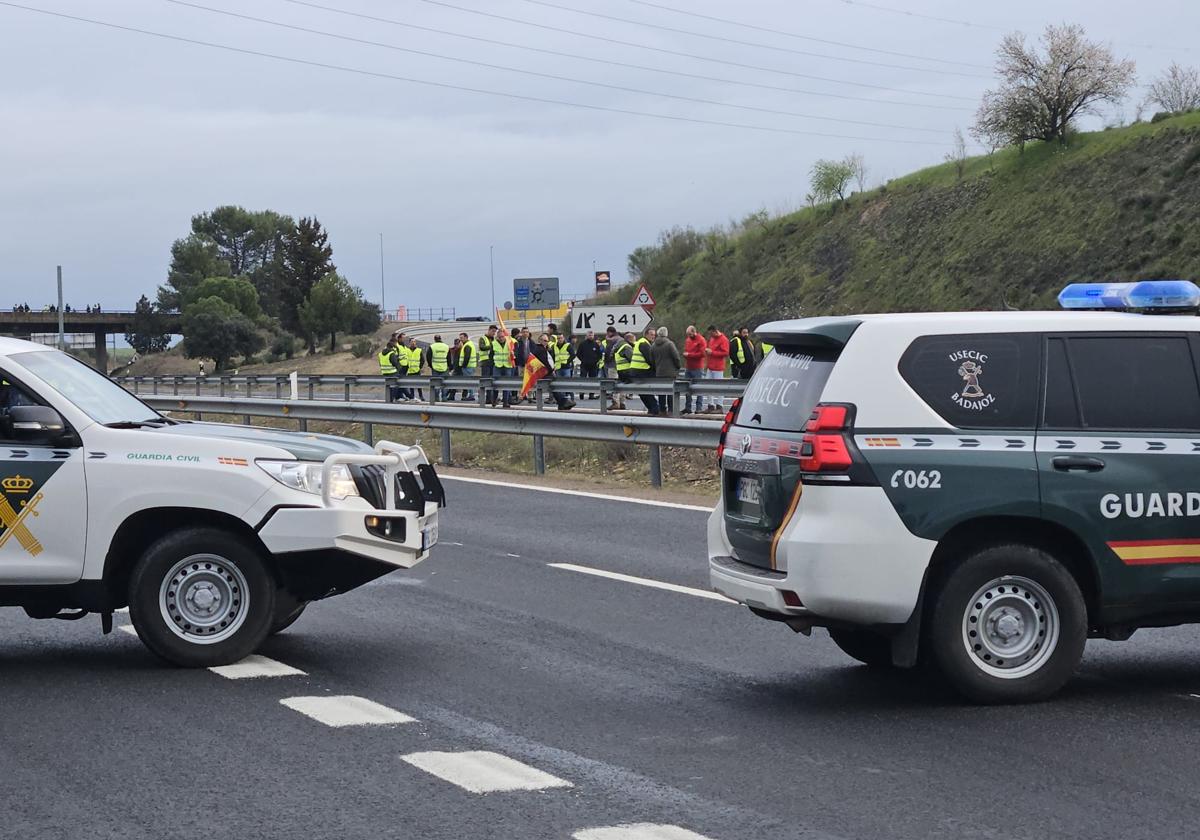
(287, 610)
(1008, 625)
(869, 648)
(224, 586)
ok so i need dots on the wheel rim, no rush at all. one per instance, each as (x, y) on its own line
(1010, 627)
(204, 598)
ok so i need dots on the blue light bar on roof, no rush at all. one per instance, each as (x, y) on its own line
(1145, 294)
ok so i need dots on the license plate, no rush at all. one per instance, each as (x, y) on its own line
(429, 537)
(749, 491)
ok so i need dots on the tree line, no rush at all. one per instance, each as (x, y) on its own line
(243, 280)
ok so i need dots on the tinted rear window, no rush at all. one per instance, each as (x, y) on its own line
(976, 381)
(785, 388)
(1123, 382)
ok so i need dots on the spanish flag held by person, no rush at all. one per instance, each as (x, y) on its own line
(534, 370)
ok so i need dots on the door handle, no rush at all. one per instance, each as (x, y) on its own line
(1077, 463)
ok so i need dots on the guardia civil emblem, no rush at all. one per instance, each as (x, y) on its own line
(18, 503)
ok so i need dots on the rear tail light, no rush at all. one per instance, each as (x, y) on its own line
(825, 448)
(730, 416)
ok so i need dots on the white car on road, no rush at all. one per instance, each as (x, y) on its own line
(213, 535)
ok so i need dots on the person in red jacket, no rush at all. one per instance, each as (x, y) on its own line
(718, 355)
(695, 362)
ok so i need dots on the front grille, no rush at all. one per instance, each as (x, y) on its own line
(370, 480)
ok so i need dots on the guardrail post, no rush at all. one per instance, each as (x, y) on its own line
(303, 424)
(679, 391)
(251, 384)
(540, 401)
(278, 388)
(446, 446)
(199, 382)
(221, 383)
(346, 385)
(245, 419)
(154, 385)
(655, 465)
(435, 387)
(175, 386)
(369, 433)
(539, 455)
(312, 384)
(605, 394)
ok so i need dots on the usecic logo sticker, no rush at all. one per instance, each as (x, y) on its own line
(971, 395)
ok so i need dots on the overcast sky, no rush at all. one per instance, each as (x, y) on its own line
(111, 140)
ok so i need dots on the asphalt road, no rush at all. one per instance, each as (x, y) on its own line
(620, 703)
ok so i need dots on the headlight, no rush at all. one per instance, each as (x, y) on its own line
(306, 476)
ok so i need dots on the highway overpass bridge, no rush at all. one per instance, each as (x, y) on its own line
(99, 324)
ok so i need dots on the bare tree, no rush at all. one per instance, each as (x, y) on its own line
(958, 154)
(1046, 86)
(858, 165)
(1177, 89)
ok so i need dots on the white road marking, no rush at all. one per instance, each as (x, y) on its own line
(641, 581)
(256, 666)
(638, 831)
(127, 628)
(346, 711)
(484, 772)
(586, 495)
(123, 610)
(518, 556)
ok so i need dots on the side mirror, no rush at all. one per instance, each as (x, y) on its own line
(36, 424)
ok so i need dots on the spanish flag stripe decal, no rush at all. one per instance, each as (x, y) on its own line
(1156, 552)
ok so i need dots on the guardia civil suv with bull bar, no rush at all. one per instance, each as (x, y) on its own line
(981, 490)
(213, 535)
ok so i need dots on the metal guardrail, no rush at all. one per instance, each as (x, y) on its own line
(310, 385)
(651, 431)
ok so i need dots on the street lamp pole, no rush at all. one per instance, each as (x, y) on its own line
(382, 284)
(492, 275)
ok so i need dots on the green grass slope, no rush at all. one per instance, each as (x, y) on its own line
(1014, 229)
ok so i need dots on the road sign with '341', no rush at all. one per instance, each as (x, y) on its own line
(599, 318)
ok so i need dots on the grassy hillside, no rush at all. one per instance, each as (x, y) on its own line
(1116, 204)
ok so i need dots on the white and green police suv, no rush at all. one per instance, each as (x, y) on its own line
(213, 535)
(984, 491)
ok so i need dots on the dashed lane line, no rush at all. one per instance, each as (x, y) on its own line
(256, 666)
(641, 581)
(606, 497)
(638, 831)
(346, 711)
(484, 772)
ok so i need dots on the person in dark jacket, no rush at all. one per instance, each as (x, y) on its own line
(667, 363)
(591, 358)
(741, 354)
(543, 352)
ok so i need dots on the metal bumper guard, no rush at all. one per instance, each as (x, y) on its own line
(355, 525)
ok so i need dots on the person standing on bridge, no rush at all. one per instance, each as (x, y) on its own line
(468, 362)
(439, 365)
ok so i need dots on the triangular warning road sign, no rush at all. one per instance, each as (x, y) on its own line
(643, 297)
